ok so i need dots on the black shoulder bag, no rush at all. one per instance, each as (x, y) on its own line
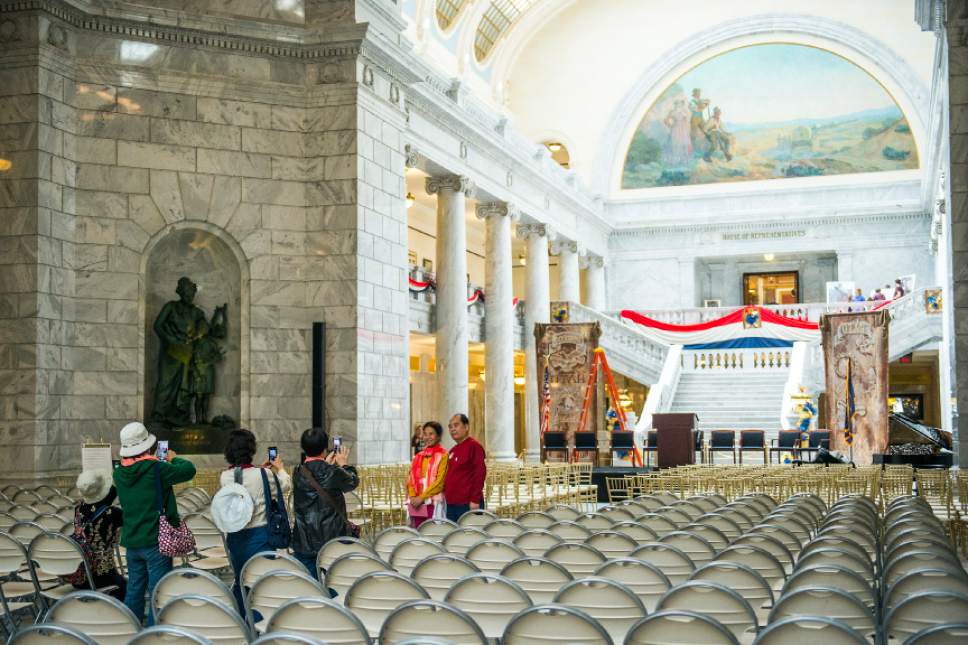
(277, 520)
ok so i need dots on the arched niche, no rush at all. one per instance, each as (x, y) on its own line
(215, 264)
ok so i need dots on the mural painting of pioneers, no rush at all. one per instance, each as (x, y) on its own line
(768, 111)
(855, 348)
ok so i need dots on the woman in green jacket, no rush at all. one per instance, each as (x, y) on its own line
(136, 483)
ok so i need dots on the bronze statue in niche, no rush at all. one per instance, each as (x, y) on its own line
(189, 351)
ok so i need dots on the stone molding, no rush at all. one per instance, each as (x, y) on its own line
(412, 156)
(455, 183)
(487, 210)
(930, 14)
(646, 231)
(527, 231)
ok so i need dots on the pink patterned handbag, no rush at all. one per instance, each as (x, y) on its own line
(173, 541)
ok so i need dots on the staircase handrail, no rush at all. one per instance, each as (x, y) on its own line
(663, 392)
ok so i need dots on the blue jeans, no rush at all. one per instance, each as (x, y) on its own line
(242, 545)
(308, 560)
(146, 566)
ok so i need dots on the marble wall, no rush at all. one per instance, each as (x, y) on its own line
(679, 266)
(120, 135)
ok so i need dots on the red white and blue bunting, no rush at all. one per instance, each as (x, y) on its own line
(478, 296)
(747, 327)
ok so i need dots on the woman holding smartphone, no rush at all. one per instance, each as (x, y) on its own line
(251, 536)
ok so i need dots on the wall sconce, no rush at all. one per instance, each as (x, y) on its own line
(769, 257)
(411, 200)
(519, 380)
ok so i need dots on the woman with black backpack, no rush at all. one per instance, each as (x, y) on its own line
(97, 528)
(263, 489)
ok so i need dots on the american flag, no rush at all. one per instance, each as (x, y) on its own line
(546, 402)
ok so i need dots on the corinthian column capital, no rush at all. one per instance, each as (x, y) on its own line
(455, 183)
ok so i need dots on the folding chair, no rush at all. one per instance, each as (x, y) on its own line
(204, 616)
(714, 600)
(408, 553)
(101, 617)
(16, 594)
(490, 556)
(808, 630)
(551, 624)
(490, 600)
(273, 589)
(535, 520)
(753, 587)
(826, 602)
(433, 619)
(348, 568)
(436, 529)
(923, 610)
(461, 539)
(321, 619)
(185, 581)
(612, 604)
(167, 635)
(374, 596)
(676, 565)
(647, 581)
(579, 559)
(49, 634)
(388, 538)
(940, 635)
(438, 573)
(338, 547)
(504, 529)
(612, 544)
(53, 554)
(540, 578)
(679, 626)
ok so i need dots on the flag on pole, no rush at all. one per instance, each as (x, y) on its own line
(850, 411)
(546, 402)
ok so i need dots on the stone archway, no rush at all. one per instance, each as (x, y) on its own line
(210, 262)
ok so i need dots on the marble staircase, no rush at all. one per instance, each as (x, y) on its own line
(732, 400)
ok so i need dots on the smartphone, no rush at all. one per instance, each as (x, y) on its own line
(337, 443)
(273, 453)
(162, 450)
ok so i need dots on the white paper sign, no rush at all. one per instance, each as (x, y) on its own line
(96, 456)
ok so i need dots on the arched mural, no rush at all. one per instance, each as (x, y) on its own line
(768, 111)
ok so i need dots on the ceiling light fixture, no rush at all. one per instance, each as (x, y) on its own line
(411, 200)
(554, 147)
(769, 257)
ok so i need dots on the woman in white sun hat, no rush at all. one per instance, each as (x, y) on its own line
(137, 480)
(98, 522)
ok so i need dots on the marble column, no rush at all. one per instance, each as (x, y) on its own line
(569, 285)
(956, 216)
(498, 331)
(594, 282)
(537, 309)
(451, 336)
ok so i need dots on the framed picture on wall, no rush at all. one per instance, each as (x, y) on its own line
(839, 291)
(428, 265)
(712, 303)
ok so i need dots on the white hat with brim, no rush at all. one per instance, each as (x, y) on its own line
(135, 439)
(232, 508)
(94, 485)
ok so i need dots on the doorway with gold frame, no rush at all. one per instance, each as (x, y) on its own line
(780, 288)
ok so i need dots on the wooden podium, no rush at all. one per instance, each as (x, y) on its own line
(676, 446)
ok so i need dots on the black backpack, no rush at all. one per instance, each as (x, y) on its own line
(277, 520)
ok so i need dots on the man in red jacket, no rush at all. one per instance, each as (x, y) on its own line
(464, 485)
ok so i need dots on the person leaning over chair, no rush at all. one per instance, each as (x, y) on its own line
(99, 521)
(136, 480)
(466, 470)
(425, 483)
(253, 537)
(318, 502)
